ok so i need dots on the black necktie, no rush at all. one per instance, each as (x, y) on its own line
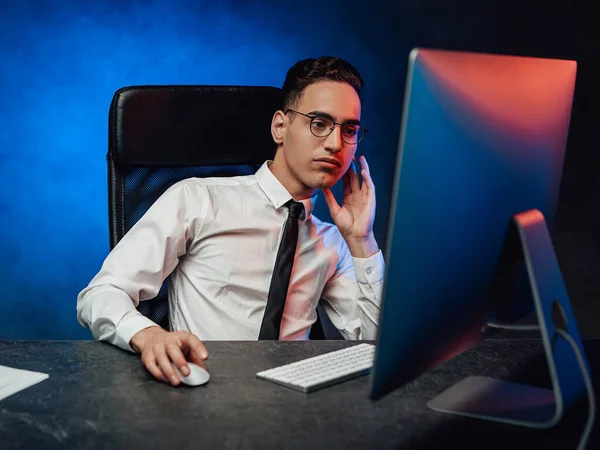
(281, 274)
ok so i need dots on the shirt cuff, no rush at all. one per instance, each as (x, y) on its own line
(129, 326)
(370, 270)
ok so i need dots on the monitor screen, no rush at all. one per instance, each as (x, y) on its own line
(483, 137)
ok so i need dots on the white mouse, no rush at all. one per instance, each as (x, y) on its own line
(198, 376)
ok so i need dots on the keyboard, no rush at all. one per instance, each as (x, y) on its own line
(331, 368)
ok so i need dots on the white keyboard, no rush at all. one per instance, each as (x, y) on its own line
(324, 370)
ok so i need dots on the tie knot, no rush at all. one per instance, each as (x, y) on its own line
(296, 209)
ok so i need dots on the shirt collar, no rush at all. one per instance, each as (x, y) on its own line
(277, 194)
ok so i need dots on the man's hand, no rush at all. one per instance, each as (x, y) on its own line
(159, 348)
(355, 217)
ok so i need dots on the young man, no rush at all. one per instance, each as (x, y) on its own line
(219, 240)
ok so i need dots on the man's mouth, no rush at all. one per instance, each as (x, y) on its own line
(329, 161)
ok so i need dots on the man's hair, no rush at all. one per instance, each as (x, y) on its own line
(311, 70)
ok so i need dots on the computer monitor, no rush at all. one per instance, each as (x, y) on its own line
(478, 172)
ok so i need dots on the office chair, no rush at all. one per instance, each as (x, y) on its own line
(159, 135)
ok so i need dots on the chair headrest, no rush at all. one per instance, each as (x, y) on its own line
(192, 125)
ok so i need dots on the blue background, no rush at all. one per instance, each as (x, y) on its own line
(62, 61)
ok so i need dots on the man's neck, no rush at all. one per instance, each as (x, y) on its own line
(297, 189)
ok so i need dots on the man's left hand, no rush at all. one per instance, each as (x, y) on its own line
(354, 218)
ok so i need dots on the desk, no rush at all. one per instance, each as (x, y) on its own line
(99, 397)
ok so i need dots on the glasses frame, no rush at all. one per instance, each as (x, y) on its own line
(342, 125)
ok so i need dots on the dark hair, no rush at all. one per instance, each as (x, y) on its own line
(309, 71)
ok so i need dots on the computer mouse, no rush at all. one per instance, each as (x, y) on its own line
(198, 376)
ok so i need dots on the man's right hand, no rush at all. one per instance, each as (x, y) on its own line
(159, 348)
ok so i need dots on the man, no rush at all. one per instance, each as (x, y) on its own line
(219, 240)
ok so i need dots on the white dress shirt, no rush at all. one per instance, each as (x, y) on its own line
(217, 239)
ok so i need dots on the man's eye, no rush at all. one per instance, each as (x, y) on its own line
(319, 123)
(350, 131)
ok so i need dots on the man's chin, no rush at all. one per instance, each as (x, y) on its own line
(324, 182)
(321, 179)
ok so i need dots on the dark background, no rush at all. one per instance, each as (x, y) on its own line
(61, 62)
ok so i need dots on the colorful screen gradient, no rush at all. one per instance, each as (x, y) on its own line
(483, 138)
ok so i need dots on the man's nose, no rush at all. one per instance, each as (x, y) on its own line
(334, 142)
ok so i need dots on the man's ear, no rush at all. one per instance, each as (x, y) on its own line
(278, 127)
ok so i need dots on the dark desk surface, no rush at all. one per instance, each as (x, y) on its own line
(99, 397)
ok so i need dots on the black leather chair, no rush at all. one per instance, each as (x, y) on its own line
(159, 135)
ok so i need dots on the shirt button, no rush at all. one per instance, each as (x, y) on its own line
(369, 270)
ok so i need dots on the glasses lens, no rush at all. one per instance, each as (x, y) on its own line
(352, 134)
(321, 126)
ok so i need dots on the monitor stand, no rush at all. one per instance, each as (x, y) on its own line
(519, 404)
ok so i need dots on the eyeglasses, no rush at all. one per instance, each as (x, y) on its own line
(322, 126)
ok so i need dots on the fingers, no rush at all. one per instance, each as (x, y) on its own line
(368, 184)
(175, 354)
(168, 349)
(353, 175)
(197, 352)
(334, 207)
(150, 365)
(364, 164)
(163, 361)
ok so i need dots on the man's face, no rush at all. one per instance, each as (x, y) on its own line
(319, 162)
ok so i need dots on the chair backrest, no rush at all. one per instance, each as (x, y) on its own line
(159, 135)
